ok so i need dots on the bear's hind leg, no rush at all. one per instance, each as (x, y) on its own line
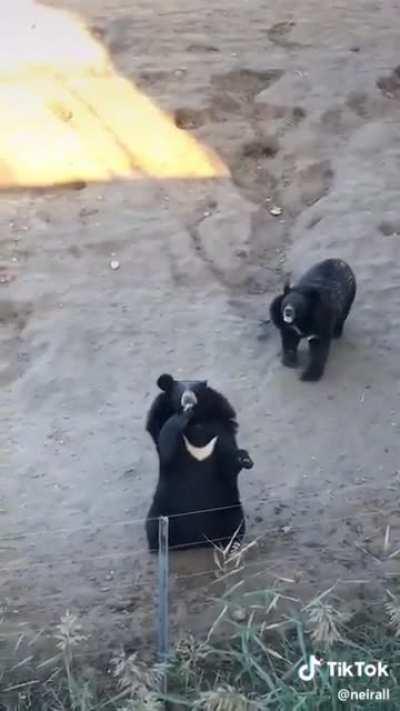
(152, 534)
(176, 535)
(338, 330)
(231, 533)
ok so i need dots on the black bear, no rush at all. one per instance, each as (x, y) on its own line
(315, 308)
(194, 430)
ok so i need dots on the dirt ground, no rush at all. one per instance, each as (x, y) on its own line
(302, 103)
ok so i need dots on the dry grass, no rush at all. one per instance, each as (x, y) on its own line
(253, 665)
(393, 611)
(325, 621)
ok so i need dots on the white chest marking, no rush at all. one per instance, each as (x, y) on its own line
(200, 453)
(312, 338)
(296, 330)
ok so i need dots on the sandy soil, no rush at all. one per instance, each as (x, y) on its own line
(302, 104)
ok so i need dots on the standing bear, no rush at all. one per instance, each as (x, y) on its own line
(315, 308)
(194, 430)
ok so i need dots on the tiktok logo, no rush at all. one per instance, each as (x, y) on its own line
(342, 669)
(307, 671)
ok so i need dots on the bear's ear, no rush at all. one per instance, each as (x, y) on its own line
(275, 310)
(204, 383)
(165, 382)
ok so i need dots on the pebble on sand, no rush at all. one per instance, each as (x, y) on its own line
(276, 211)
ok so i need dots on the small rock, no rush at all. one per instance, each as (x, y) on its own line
(7, 278)
(129, 473)
(87, 212)
(276, 211)
(239, 615)
(114, 264)
(241, 253)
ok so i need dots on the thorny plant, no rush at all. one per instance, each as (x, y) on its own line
(69, 636)
(225, 698)
(393, 611)
(325, 621)
(138, 681)
(190, 653)
(148, 704)
(229, 560)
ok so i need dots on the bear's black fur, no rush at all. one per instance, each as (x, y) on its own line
(315, 308)
(188, 415)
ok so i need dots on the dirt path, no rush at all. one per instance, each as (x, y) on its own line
(303, 105)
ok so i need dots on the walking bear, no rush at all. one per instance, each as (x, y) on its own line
(315, 308)
(194, 430)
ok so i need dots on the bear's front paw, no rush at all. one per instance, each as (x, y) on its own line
(311, 375)
(244, 459)
(289, 359)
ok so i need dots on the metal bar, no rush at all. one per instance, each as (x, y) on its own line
(163, 575)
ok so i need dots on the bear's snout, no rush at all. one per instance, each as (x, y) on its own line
(188, 400)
